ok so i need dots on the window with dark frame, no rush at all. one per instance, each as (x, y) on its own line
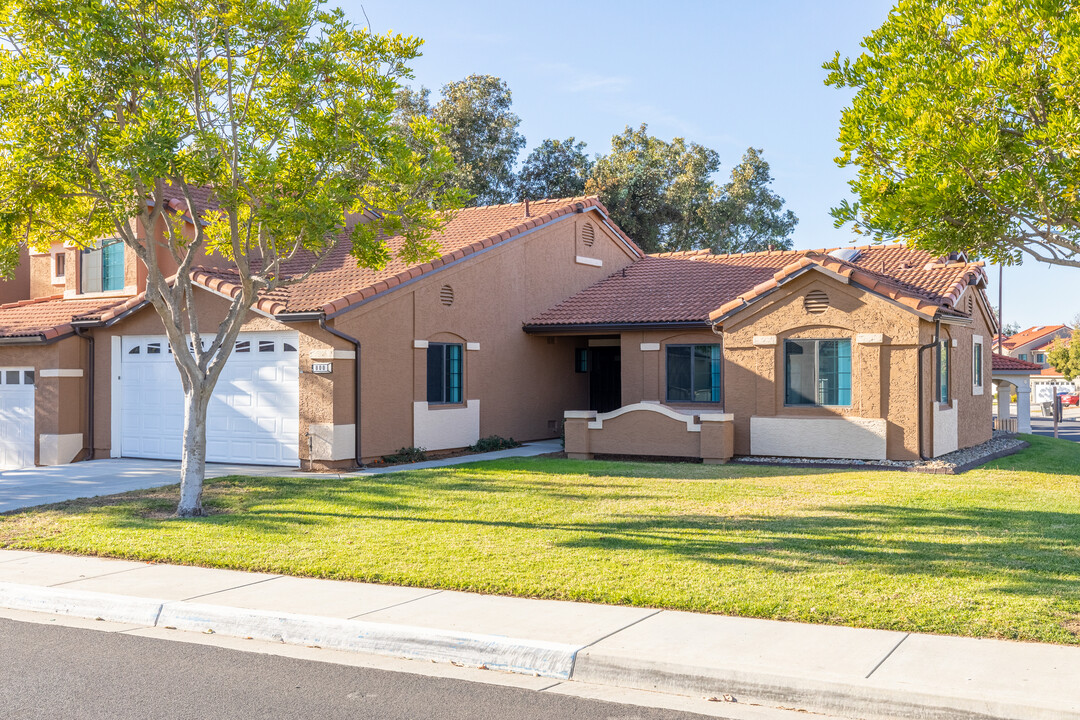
(693, 373)
(977, 364)
(943, 372)
(817, 372)
(444, 373)
(581, 360)
(60, 260)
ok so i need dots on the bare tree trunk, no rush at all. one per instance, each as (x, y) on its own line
(193, 454)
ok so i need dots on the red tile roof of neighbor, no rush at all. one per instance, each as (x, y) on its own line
(699, 286)
(50, 317)
(1007, 364)
(339, 284)
(1030, 335)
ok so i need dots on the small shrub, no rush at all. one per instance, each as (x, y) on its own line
(494, 442)
(406, 455)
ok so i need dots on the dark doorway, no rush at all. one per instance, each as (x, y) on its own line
(605, 379)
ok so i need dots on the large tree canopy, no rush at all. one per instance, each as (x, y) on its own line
(109, 109)
(664, 196)
(965, 128)
(479, 129)
(554, 169)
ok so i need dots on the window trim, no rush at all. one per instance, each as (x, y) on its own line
(718, 390)
(446, 374)
(943, 380)
(817, 370)
(977, 365)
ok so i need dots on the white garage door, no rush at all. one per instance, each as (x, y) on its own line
(254, 415)
(16, 418)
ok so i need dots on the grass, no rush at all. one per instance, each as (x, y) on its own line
(994, 552)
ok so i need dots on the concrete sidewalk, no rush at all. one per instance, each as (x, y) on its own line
(29, 487)
(834, 670)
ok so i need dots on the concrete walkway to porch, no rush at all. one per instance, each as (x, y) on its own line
(28, 487)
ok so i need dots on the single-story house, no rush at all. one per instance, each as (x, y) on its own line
(533, 316)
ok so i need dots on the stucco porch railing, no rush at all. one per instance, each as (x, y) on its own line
(649, 428)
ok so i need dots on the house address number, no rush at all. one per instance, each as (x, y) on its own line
(322, 368)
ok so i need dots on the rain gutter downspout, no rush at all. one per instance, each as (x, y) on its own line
(81, 332)
(356, 344)
(922, 383)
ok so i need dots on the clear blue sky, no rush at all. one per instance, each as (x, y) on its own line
(727, 74)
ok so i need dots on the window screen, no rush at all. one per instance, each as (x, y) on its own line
(817, 372)
(444, 373)
(693, 373)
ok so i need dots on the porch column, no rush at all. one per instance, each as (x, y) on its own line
(1004, 404)
(1023, 406)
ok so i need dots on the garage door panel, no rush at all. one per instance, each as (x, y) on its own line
(253, 416)
(16, 419)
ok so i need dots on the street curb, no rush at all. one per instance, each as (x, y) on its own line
(870, 701)
(496, 652)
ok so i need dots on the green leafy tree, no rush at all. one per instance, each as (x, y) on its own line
(965, 130)
(1064, 356)
(480, 130)
(284, 110)
(554, 169)
(749, 215)
(664, 196)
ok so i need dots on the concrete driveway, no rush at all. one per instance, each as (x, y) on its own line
(40, 485)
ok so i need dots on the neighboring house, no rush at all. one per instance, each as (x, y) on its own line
(17, 287)
(530, 314)
(1032, 345)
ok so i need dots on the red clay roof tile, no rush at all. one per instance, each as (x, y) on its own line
(51, 317)
(1004, 362)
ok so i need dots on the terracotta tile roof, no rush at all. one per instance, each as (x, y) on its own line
(1031, 334)
(340, 284)
(203, 198)
(50, 317)
(1009, 364)
(699, 286)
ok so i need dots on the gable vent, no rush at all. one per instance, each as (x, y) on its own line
(970, 304)
(446, 295)
(588, 234)
(816, 302)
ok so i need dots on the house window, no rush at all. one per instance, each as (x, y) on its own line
(976, 364)
(103, 267)
(1023, 356)
(943, 372)
(581, 360)
(817, 372)
(444, 373)
(693, 373)
(1040, 358)
(59, 262)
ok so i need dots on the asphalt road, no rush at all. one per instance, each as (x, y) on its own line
(1067, 429)
(58, 672)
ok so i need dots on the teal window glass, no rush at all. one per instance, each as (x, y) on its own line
(943, 371)
(444, 373)
(817, 372)
(112, 266)
(693, 373)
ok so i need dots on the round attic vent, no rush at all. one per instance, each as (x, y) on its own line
(588, 234)
(446, 295)
(816, 302)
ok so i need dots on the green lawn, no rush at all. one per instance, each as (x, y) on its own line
(993, 552)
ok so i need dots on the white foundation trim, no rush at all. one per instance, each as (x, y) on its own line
(648, 347)
(60, 372)
(332, 442)
(115, 399)
(691, 426)
(59, 449)
(764, 340)
(332, 354)
(472, 346)
(443, 428)
(870, 338)
(946, 436)
(582, 260)
(420, 345)
(836, 437)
